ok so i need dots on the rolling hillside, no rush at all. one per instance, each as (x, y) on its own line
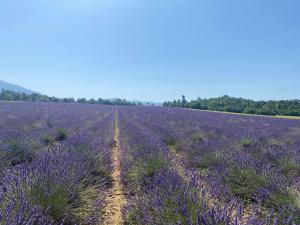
(16, 88)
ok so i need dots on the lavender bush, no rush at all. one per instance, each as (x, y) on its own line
(51, 187)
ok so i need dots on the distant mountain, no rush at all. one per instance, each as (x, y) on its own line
(13, 87)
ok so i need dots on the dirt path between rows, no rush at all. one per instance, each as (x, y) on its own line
(115, 199)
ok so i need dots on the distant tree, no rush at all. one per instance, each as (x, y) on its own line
(92, 101)
(240, 105)
(82, 100)
(183, 101)
(14, 96)
(68, 100)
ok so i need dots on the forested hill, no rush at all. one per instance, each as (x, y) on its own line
(241, 105)
(15, 88)
(35, 97)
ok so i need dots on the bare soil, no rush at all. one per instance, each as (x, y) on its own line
(115, 199)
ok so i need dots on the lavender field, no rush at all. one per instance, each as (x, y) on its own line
(94, 164)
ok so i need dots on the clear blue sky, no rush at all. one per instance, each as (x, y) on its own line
(152, 49)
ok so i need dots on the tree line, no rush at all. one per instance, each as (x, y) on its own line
(240, 105)
(6, 95)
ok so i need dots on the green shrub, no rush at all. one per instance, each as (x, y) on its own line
(155, 164)
(134, 175)
(280, 199)
(245, 143)
(285, 204)
(288, 166)
(170, 141)
(199, 136)
(18, 153)
(142, 171)
(170, 211)
(172, 207)
(84, 206)
(14, 145)
(256, 153)
(95, 161)
(131, 217)
(49, 139)
(243, 182)
(275, 142)
(52, 197)
(208, 160)
(62, 134)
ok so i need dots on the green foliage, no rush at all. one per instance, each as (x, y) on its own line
(280, 199)
(284, 203)
(288, 166)
(14, 96)
(173, 143)
(199, 136)
(84, 205)
(154, 165)
(208, 160)
(141, 172)
(95, 161)
(54, 198)
(49, 139)
(132, 217)
(170, 141)
(14, 145)
(62, 134)
(245, 143)
(243, 182)
(240, 105)
(99, 172)
(275, 142)
(171, 211)
(18, 153)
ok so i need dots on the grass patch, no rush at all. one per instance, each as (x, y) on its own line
(289, 117)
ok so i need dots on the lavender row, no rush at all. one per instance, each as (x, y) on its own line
(158, 193)
(254, 160)
(26, 128)
(64, 183)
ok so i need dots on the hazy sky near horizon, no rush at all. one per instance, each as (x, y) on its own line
(152, 49)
